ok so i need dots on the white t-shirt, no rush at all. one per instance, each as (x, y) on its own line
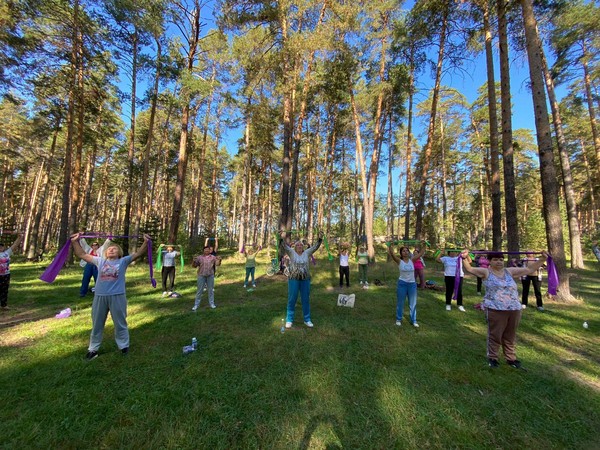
(407, 271)
(449, 263)
(344, 260)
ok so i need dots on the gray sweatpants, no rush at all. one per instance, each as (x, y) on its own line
(210, 287)
(117, 305)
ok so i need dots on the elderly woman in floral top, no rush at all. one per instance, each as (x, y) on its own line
(502, 304)
(299, 279)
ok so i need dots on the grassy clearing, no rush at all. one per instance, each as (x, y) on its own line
(354, 381)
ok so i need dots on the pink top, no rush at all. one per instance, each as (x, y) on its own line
(419, 264)
(483, 262)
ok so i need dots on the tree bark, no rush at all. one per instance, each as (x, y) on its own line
(550, 189)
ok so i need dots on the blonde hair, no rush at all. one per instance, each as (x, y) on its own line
(112, 244)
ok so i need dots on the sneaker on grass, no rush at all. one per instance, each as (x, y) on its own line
(125, 351)
(309, 324)
(516, 364)
(448, 308)
(398, 323)
(461, 308)
(91, 355)
(288, 325)
(493, 363)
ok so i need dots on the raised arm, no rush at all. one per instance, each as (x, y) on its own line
(17, 242)
(142, 250)
(315, 247)
(530, 269)
(78, 250)
(477, 271)
(421, 252)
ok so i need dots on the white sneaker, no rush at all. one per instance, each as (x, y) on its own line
(416, 325)
(288, 325)
(366, 283)
(309, 324)
(245, 286)
(361, 282)
(253, 285)
(213, 306)
(448, 308)
(194, 308)
(398, 323)
(523, 306)
(540, 308)
(164, 294)
(461, 308)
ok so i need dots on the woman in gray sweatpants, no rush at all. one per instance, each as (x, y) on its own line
(110, 292)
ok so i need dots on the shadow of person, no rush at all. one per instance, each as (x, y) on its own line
(316, 421)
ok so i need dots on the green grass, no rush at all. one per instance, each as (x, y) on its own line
(354, 381)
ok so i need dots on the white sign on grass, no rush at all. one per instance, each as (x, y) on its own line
(346, 300)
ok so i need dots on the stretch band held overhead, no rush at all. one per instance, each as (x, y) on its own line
(61, 257)
(553, 280)
(160, 252)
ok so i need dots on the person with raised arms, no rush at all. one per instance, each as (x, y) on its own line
(501, 303)
(450, 261)
(344, 269)
(5, 254)
(250, 264)
(206, 263)
(299, 279)
(406, 285)
(90, 270)
(363, 265)
(110, 292)
(167, 261)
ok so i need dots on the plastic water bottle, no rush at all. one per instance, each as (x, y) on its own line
(282, 326)
(194, 344)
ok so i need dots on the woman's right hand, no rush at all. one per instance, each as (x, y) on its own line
(75, 237)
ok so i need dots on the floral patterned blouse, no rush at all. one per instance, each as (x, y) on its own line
(501, 293)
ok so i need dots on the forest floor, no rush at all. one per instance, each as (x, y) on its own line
(355, 380)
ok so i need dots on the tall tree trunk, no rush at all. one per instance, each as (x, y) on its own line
(494, 151)
(591, 110)
(550, 188)
(131, 243)
(193, 40)
(574, 234)
(589, 182)
(390, 191)
(245, 175)
(510, 199)
(426, 155)
(32, 251)
(409, 178)
(67, 168)
(142, 192)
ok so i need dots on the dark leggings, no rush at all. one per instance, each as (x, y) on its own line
(4, 285)
(168, 272)
(345, 272)
(450, 290)
(536, 289)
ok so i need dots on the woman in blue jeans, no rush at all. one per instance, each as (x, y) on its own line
(299, 279)
(407, 285)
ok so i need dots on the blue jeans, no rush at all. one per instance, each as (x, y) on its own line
(295, 286)
(249, 272)
(89, 271)
(404, 290)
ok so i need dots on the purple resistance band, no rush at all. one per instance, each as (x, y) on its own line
(552, 272)
(60, 259)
